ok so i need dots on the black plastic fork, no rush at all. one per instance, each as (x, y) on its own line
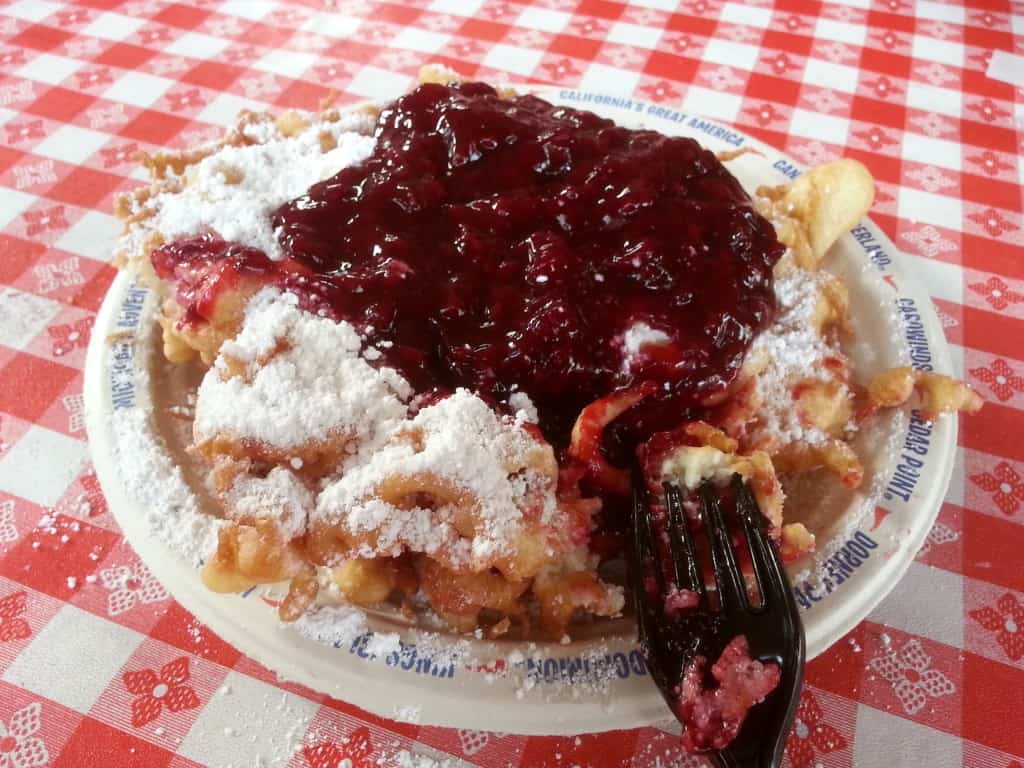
(772, 626)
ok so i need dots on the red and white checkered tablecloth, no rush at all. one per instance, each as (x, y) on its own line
(98, 667)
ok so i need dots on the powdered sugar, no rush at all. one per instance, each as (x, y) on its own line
(304, 381)
(280, 496)
(791, 350)
(524, 407)
(461, 453)
(154, 480)
(407, 759)
(337, 625)
(636, 337)
(291, 378)
(234, 191)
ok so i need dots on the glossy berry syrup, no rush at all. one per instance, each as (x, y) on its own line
(502, 244)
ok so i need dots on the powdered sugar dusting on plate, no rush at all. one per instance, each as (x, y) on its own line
(154, 480)
(791, 350)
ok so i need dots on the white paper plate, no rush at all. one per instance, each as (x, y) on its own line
(551, 687)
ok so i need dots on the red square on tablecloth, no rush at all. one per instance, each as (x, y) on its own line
(40, 37)
(31, 384)
(840, 669)
(991, 704)
(593, 749)
(60, 104)
(183, 16)
(213, 74)
(672, 67)
(154, 127)
(96, 744)
(18, 254)
(300, 94)
(76, 545)
(125, 56)
(995, 428)
(988, 191)
(87, 188)
(90, 295)
(991, 546)
(8, 157)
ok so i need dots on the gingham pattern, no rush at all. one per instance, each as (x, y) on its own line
(99, 668)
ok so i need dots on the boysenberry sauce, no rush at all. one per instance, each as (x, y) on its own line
(506, 243)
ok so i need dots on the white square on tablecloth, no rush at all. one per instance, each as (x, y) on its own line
(71, 144)
(247, 9)
(39, 452)
(91, 236)
(1017, 23)
(513, 58)
(332, 24)
(731, 54)
(926, 149)
(714, 104)
(739, 13)
(285, 62)
(924, 9)
(12, 204)
(224, 109)
(73, 658)
(940, 210)
(544, 19)
(138, 89)
(23, 315)
(47, 68)
(943, 51)
(931, 98)
(854, 3)
(112, 26)
(269, 724)
(421, 40)
(634, 34)
(197, 45)
(942, 279)
(927, 601)
(31, 10)
(885, 740)
(843, 31)
(456, 7)
(605, 79)
(7, 114)
(814, 125)
(955, 494)
(828, 74)
(377, 83)
(956, 358)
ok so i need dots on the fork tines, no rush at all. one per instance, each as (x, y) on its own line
(666, 565)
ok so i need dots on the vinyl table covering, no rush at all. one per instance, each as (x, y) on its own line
(99, 667)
